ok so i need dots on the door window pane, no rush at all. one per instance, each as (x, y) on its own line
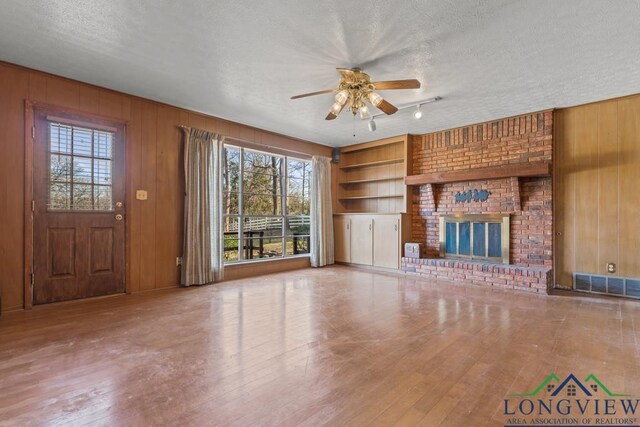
(60, 196)
(82, 197)
(82, 142)
(60, 168)
(80, 168)
(102, 198)
(102, 172)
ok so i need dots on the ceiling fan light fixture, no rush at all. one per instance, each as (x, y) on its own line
(364, 112)
(374, 98)
(342, 97)
(418, 113)
(336, 108)
(372, 125)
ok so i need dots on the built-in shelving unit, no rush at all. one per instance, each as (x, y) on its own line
(376, 163)
(361, 181)
(370, 177)
(386, 196)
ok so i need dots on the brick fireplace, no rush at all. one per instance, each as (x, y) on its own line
(499, 167)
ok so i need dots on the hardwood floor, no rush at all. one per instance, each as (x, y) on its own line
(331, 346)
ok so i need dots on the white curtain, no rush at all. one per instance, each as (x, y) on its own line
(202, 250)
(321, 213)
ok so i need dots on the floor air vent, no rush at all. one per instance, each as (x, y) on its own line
(610, 285)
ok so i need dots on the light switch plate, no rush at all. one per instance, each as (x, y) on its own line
(141, 195)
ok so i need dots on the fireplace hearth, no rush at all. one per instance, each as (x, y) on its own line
(504, 239)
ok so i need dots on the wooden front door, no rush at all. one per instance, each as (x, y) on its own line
(78, 207)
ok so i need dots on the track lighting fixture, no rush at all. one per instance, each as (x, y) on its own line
(418, 113)
(372, 125)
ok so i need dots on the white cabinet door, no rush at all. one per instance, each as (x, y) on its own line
(342, 238)
(362, 240)
(386, 241)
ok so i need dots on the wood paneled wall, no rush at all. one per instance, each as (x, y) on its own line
(154, 163)
(596, 196)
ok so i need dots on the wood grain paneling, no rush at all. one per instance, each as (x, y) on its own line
(154, 226)
(608, 189)
(596, 174)
(629, 161)
(14, 87)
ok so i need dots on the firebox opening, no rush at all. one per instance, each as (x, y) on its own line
(478, 237)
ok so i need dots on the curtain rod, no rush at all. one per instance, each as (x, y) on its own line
(257, 144)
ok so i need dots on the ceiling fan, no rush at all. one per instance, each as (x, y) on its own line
(356, 88)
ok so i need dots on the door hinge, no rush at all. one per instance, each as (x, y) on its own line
(33, 278)
(33, 206)
(33, 132)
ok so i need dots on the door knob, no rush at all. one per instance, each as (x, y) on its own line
(118, 204)
(119, 217)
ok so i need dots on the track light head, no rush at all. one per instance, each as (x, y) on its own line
(418, 113)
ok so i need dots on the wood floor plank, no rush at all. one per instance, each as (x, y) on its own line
(331, 346)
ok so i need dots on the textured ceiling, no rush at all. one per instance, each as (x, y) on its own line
(242, 60)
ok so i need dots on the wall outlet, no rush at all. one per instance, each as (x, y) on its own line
(611, 267)
(141, 195)
(178, 261)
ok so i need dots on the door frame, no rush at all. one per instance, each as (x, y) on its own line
(30, 108)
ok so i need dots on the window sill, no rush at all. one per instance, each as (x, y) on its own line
(266, 260)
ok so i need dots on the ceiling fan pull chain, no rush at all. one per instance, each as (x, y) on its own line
(354, 125)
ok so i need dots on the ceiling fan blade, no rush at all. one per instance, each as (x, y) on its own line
(397, 84)
(387, 107)
(330, 116)
(320, 92)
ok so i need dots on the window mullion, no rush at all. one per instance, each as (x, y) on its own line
(284, 174)
(241, 208)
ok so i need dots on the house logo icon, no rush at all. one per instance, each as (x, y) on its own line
(571, 401)
(590, 386)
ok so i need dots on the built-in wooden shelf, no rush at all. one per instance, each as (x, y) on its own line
(363, 181)
(493, 172)
(376, 169)
(386, 196)
(377, 163)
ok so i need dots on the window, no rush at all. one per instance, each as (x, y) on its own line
(80, 168)
(571, 390)
(266, 203)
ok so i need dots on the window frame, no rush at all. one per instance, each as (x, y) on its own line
(284, 215)
(72, 125)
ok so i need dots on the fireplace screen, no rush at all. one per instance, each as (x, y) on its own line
(478, 237)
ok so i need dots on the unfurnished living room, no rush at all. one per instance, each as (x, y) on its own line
(320, 213)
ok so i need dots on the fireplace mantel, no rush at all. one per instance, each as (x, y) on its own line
(513, 170)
